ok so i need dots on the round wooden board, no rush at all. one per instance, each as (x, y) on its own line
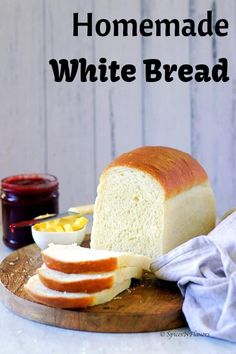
(150, 306)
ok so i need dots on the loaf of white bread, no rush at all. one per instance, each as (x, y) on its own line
(150, 200)
(74, 276)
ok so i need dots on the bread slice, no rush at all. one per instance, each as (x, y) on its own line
(73, 259)
(87, 282)
(150, 200)
(43, 295)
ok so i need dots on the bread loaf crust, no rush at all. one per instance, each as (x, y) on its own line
(60, 301)
(175, 170)
(87, 286)
(100, 265)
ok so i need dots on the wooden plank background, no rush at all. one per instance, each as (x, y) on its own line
(73, 130)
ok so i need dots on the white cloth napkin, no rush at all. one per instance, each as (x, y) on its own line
(205, 271)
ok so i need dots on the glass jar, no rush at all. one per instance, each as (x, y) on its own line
(23, 198)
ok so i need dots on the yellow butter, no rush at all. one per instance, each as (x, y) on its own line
(79, 223)
(66, 224)
(68, 228)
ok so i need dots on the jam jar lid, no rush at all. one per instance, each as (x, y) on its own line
(30, 183)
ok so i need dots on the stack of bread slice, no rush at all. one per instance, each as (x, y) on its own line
(76, 277)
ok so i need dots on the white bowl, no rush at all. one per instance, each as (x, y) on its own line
(43, 238)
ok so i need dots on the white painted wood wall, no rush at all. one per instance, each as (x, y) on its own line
(73, 130)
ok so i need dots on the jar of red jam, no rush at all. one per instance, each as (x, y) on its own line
(23, 198)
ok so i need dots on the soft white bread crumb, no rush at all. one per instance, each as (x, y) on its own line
(76, 259)
(87, 282)
(129, 212)
(49, 297)
(118, 275)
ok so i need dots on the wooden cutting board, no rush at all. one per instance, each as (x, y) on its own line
(151, 305)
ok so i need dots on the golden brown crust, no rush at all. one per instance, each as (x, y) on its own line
(175, 170)
(60, 301)
(98, 266)
(84, 286)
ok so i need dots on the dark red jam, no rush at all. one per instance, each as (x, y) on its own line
(23, 198)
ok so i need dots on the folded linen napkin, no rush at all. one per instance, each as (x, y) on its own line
(205, 271)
